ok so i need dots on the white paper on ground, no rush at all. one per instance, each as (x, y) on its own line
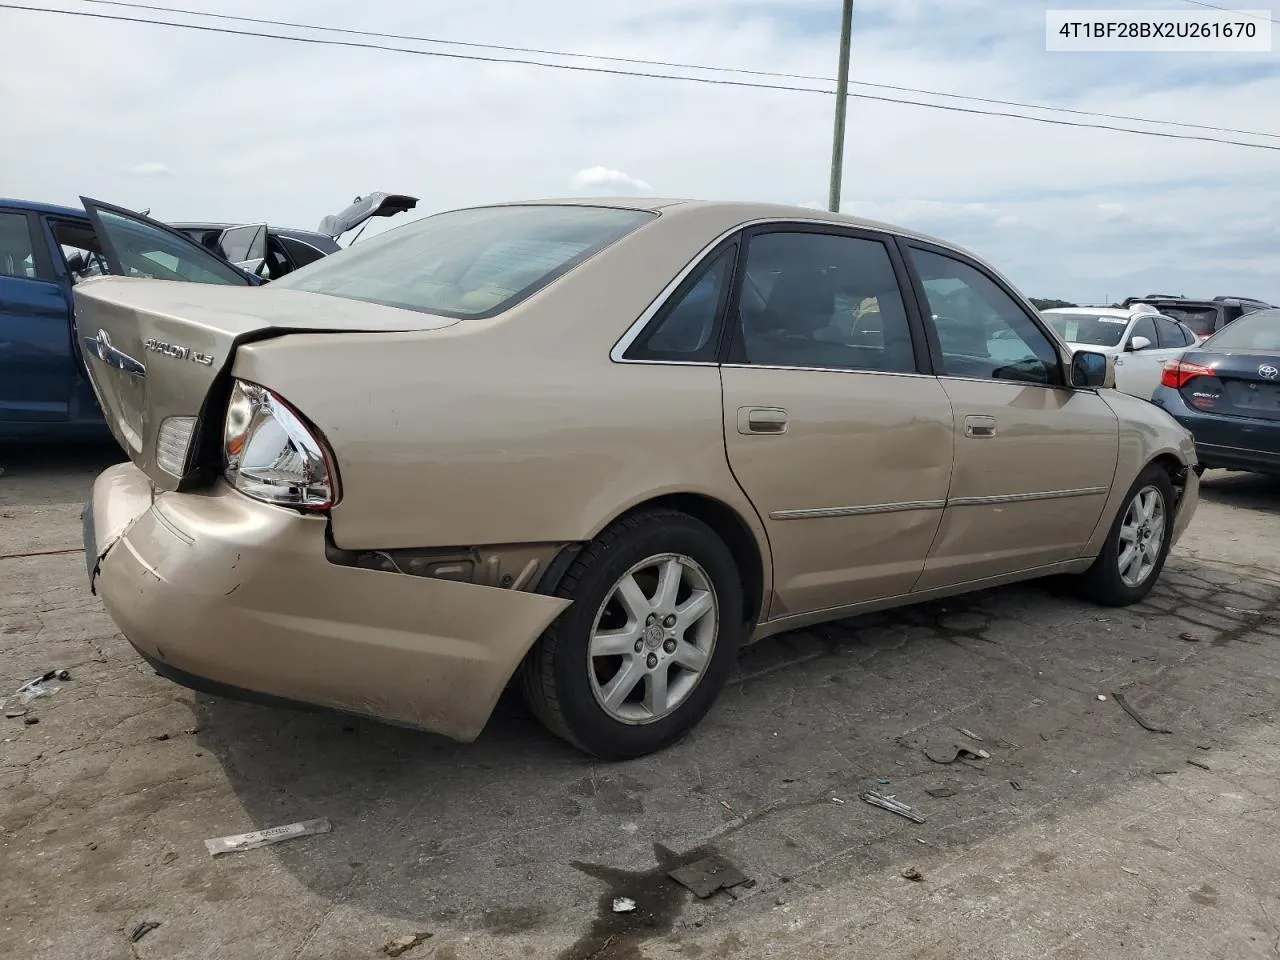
(261, 838)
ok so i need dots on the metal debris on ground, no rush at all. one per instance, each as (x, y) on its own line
(971, 735)
(261, 838)
(941, 793)
(893, 805)
(836, 800)
(30, 721)
(1191, 638)
(881, 780)
(951, 752)
(708, 875)
(1015, 784)
(1130, 870)
(623, 905)
(393, 948)
(1102, 696)
(1198, 763)
(14, 714)
(169, 857)
(912, 874)
(142, 929)
(1142, 721)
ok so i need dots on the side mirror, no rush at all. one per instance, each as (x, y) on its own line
(1092, 371)
(1139, 343)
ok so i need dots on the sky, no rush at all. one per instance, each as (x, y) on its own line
(202, 126)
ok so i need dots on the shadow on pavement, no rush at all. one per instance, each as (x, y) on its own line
(518, 833)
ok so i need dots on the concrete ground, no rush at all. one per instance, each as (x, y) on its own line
(1084, 835)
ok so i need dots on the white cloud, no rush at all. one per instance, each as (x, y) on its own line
(594, 177)
(151, 168)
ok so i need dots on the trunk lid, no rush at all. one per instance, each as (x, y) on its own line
(156, 349)
(1243, 384)
(363, 209)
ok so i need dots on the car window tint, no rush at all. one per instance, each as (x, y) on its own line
(81, 249)
(471, 263)
(684, 329)
(1188, 335)
(1145, 327)
(982, 332)
(146, 250)
(17, 252)
(1170, 333)
(822, 300)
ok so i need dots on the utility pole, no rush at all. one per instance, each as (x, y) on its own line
(842, 91)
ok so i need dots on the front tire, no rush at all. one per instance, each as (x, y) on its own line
(1137, 544)
(652, 635)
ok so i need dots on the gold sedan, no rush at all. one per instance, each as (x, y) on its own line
(592, 447)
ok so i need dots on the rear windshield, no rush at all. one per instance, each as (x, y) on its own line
(1095, 331)
(1257, 331)
(1199, 319)
(468, 264)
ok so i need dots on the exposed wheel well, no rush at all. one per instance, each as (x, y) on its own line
(737, 536)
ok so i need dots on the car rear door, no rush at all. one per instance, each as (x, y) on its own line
(833, 427)
(37, 367)
(1034, 459)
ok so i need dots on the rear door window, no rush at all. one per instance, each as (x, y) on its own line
(17, 251)
(1169, 334)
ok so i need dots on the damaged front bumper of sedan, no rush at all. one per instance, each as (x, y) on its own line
(237, 598)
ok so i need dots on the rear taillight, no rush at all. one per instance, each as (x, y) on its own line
(272, 454)
(1178, 373)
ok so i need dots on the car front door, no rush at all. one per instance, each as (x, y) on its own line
(1034, 459)
(134, 245)
(1138, 367)
(36, 363)
(833, 427)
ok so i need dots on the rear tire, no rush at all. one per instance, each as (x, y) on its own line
(652, 635)
(1137, 544)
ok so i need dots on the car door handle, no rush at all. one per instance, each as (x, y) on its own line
(979, 427)
(762, 420)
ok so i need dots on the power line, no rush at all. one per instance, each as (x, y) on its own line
(634, 73)
(669, 64)
(1243, 13)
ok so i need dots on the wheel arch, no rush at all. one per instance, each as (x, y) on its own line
(750, 550)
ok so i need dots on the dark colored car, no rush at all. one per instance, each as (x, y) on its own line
(272, 252)
(1226, 391)
(46, 249)
(1204, 317)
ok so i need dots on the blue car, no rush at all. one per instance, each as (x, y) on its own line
(46, 249)
(1226, 391)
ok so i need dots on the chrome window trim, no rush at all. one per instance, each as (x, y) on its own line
(633, 331)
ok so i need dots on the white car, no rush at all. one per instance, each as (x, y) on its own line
(1140, 339)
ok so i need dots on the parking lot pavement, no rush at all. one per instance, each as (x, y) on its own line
(1084, 835)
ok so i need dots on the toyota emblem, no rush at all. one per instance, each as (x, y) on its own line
(1268, 372)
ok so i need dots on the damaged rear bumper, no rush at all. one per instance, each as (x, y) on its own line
(236, 597)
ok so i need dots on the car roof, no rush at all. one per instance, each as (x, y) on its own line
(37, 207)
(1096, 311)
(737, 210)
